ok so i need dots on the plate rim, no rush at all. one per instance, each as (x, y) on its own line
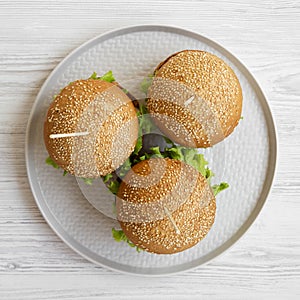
(261, 200)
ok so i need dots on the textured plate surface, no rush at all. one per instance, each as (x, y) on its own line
(246, 159)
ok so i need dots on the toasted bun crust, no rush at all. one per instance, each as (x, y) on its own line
(191, 206)
(214, 83)
(106, 113)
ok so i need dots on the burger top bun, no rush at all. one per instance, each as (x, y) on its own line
(195, 98)
(106, 119)
(165, 206)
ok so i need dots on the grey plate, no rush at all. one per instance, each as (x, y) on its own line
(246, 159)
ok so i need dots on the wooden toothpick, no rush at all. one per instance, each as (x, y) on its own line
(62, 135)
(172, 220)
(188, 101)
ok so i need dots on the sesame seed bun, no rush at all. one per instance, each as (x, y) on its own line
(103, 111)
(165, 206)
(195, 98)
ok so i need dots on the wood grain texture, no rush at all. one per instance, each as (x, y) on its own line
(35, 36)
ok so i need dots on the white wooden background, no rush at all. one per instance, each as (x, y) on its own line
(35, 36)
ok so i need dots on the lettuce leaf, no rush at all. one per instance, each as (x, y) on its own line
(49, 161)
(145, 84)
(120, 236)
(108, 76)
(114, 186)
(125, 168)
(107, 177)
(188, 155)
(88, 181)
(138, 145)
(146, 124)
(217, 188)
(155, 153)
